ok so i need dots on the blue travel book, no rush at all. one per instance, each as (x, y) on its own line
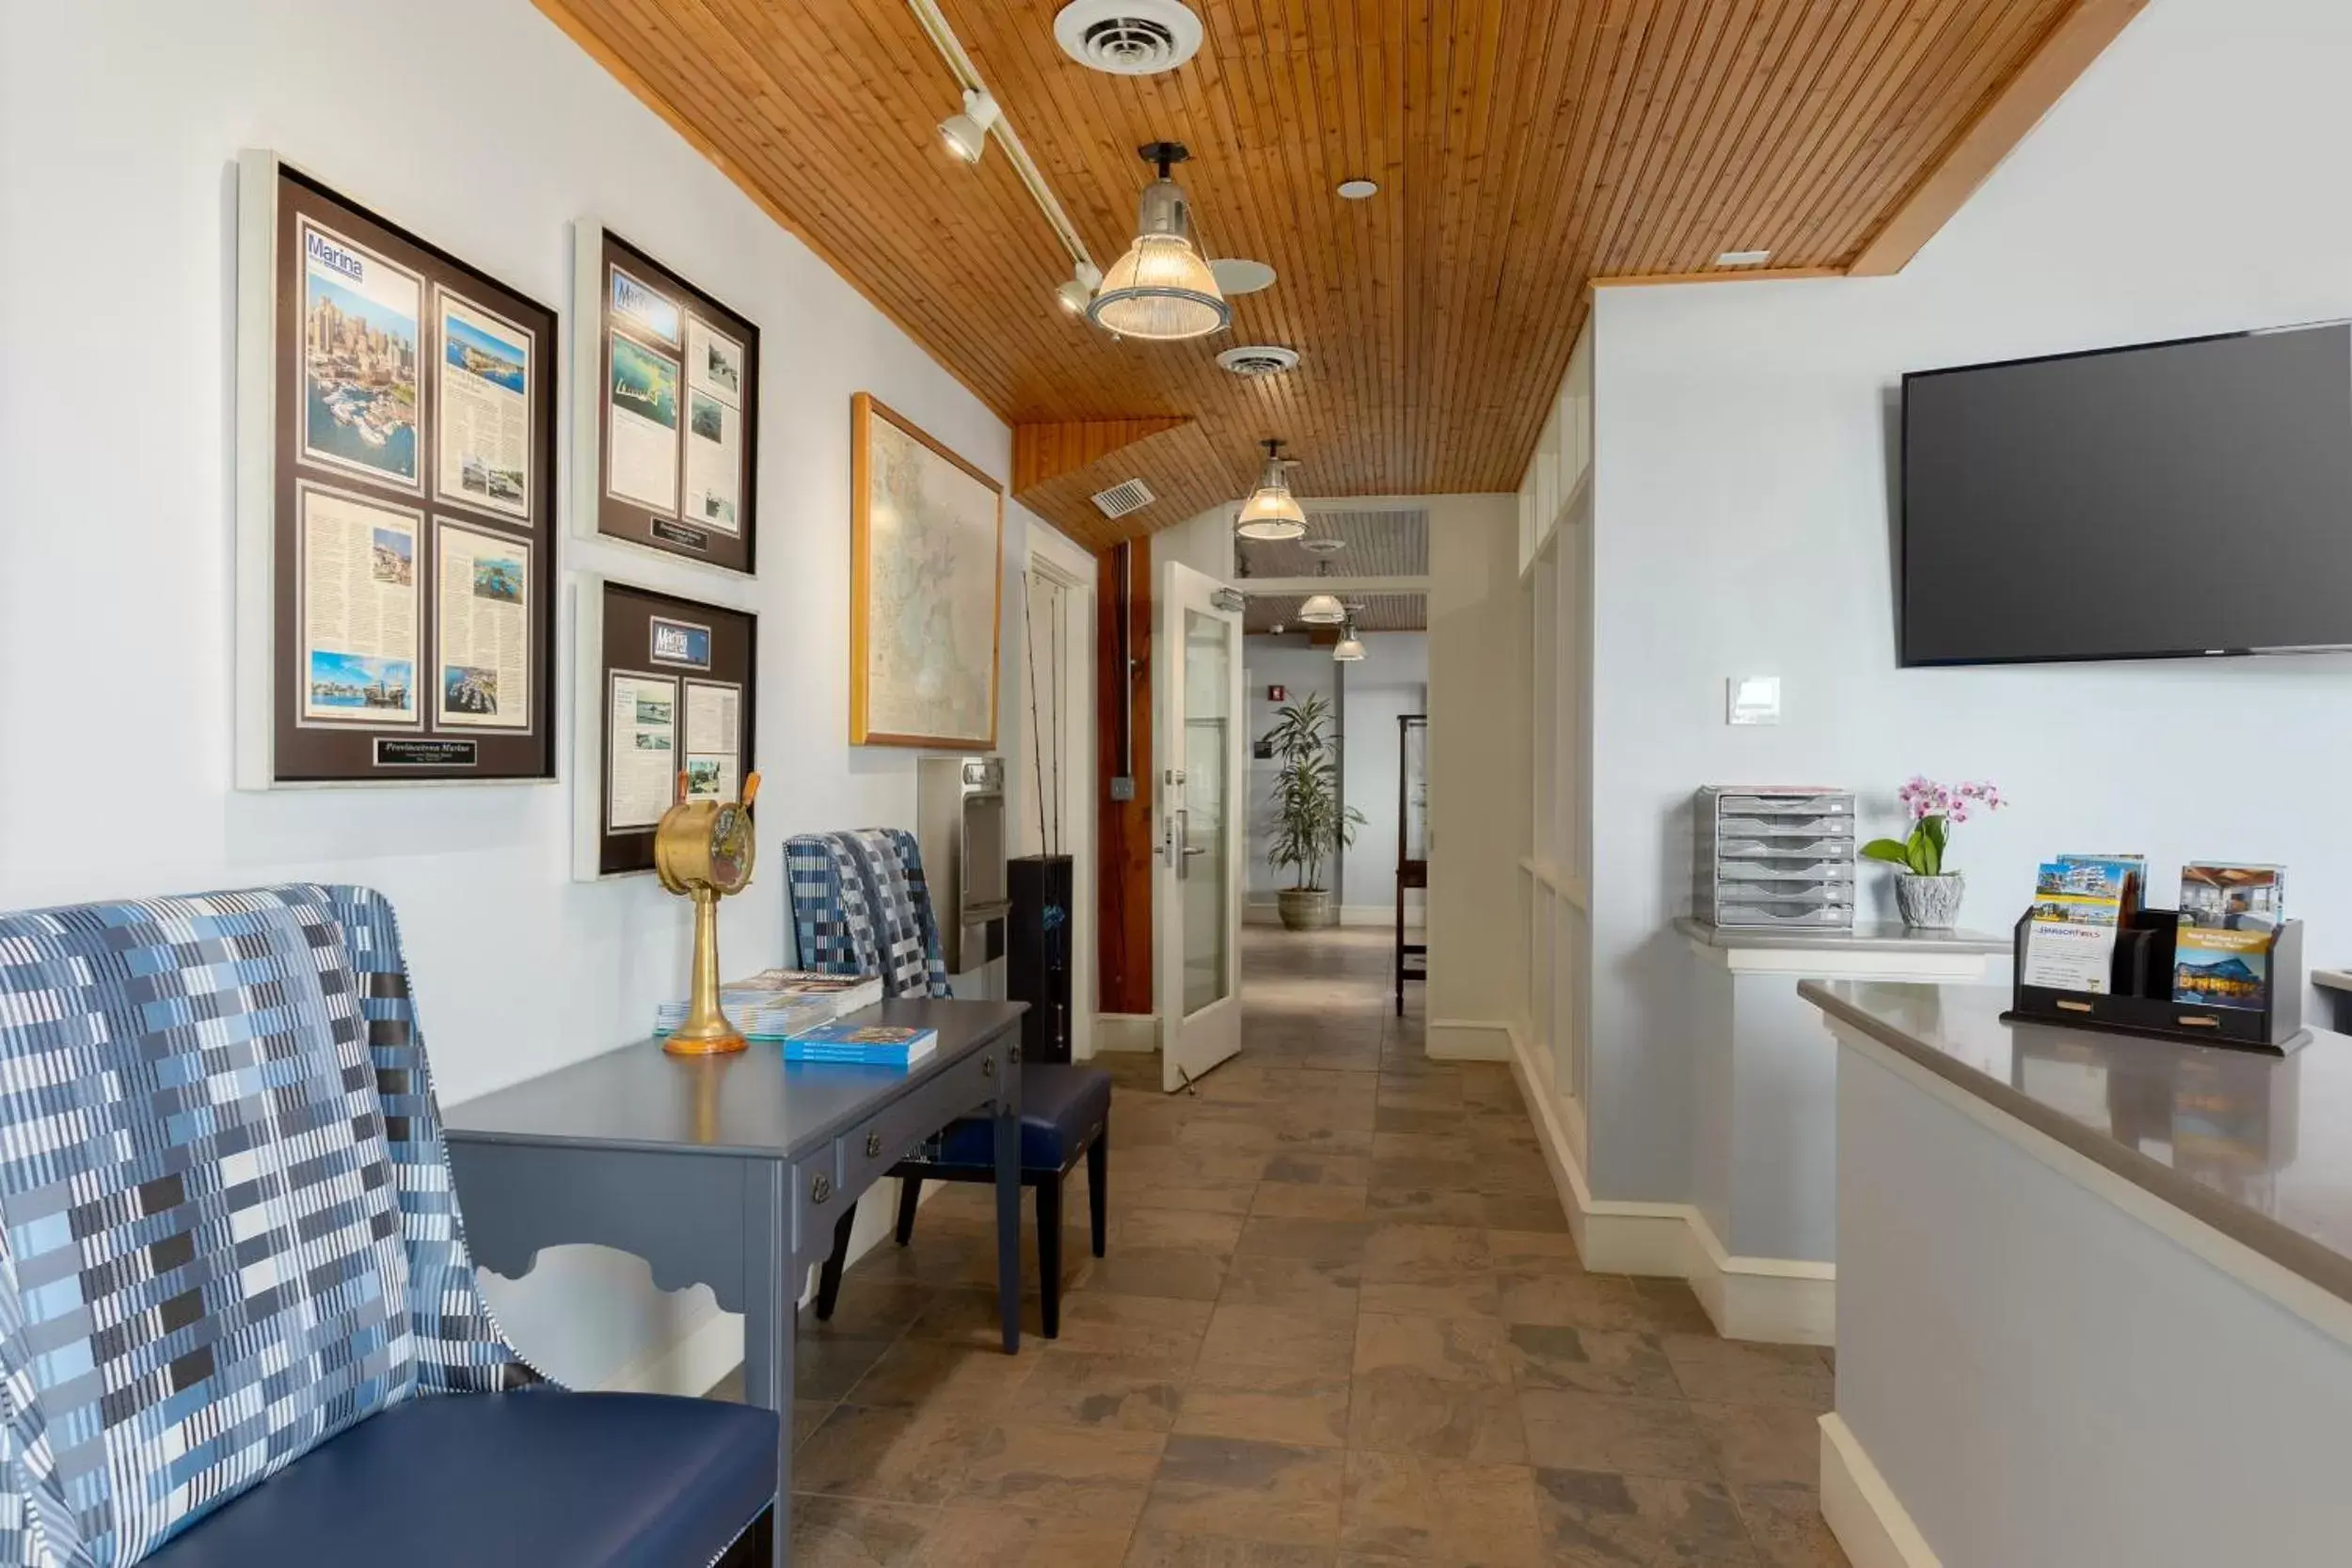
(881, 1044)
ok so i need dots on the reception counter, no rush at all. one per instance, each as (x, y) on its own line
(2094, 1292)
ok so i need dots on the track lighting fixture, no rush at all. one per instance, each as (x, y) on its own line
(1085, 278)
(966, 134)
(1161, 287)
(1271, 512)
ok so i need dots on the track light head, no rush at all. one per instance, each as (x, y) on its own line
(965, 135)
(1078, 293)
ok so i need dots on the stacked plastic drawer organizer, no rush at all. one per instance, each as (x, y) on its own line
(1775, 856)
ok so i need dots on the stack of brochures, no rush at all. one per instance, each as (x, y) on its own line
(871, 1044)
(2079, 903)
(2221, 957)
(777, 1003)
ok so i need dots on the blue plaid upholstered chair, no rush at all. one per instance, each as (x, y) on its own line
(238, 1320)
(861, 906)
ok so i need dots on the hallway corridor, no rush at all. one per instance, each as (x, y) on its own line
(1341, 1325)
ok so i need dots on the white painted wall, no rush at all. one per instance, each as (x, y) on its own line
(1479, 766)
(1391, 678)
(1744, 472)
(118, 126)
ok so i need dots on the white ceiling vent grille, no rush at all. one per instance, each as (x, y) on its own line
(1259, 360)
(1128, 38)
(1119, 499)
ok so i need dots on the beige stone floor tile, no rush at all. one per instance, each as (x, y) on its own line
(1736, 1373)
(932, 1374)
(1095, 1475)
(1176, 1272)
(1416, 1509)
(1297, 1285)
(1594, 1519)
(1290, 1165)
(1250, 1335)
(1156, 1549)
(1158, 1328)
(1466, 1350)
(1328, 1241)
(1393, 1203)
(1283, 1494)
(1591, 1360)
(1762, 1445)
(1187, 1228)
(1267, 1405)
(1423, 1254)
(1125, 1393)
(852, 1533)
(1569, 1429)
(1302, 1200)
(994, 1535)
(1611, 1302)
(1401, 1410)
(828, 1368)
(1786, 1523)
(903, 1456)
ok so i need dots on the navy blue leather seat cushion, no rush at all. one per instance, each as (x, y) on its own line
(1060, 1108)
(469, 1480)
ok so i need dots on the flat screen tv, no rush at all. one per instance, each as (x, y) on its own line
(2178, 500)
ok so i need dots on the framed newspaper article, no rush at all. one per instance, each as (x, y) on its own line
(665, 408)
(663, 687)
(395, 502)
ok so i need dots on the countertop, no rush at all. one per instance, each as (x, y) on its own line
(750, 1102)
(1865, 937)
(2258, 1147)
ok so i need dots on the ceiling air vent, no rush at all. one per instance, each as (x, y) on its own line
(1131, 496)
(1128, 38)
(1259, 360)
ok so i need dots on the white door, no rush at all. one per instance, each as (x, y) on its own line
(1196, 718)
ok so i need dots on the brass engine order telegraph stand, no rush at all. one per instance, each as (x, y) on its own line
(704, 849)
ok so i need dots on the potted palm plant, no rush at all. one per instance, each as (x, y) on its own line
(1311, 827)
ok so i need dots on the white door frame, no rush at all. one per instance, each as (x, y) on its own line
(1056, 558)
(1191, 1044)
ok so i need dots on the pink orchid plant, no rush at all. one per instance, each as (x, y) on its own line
(1933, 809)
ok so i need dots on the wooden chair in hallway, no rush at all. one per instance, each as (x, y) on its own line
(861, 905)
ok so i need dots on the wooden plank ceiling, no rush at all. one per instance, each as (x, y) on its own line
(1524, 148)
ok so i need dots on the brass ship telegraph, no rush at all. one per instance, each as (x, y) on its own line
(704, 848)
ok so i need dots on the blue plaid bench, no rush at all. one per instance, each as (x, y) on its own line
(238, 1320)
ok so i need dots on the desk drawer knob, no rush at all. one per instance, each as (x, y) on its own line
(873, 1146)
(988, 1067)
(819, 1188)
(1013, 1055)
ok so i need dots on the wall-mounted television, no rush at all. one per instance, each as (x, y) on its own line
(2177, 499)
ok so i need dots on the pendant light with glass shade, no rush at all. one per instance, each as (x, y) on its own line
(1162, 288)
(1271, 512)
(1349, 649)
(1323, 610)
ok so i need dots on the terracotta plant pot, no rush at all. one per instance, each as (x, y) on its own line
(1305, 909)
(1929, 903)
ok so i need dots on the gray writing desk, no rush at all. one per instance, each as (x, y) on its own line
(732, 1171)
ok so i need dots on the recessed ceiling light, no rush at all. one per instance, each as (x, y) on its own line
(1238, 275)
(1744, 258)
(1359, 190)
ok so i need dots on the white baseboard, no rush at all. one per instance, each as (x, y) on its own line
(1462, 1039)
(1126, 1032)
(1777, 1300)
(1863, 1511)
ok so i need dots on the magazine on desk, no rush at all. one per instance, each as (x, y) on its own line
(876, 1044)
(777, 1003)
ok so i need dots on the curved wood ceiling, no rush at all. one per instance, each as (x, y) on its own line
(1525, 148)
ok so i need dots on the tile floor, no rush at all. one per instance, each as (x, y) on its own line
(1341, 1325)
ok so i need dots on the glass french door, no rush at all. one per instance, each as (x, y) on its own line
(1196, 882)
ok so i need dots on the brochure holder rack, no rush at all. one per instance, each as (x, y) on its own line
(2140, 1001)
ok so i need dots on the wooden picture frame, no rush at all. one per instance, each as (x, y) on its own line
(888, 448)
(396, 502)
(624, 632)
(626, 303)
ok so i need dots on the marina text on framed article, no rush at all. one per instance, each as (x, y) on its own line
(395, 502)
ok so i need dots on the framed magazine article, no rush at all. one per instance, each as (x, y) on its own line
(665, 408)
(664, 687)
(396, 499)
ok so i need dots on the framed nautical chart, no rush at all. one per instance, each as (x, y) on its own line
(925, 587)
